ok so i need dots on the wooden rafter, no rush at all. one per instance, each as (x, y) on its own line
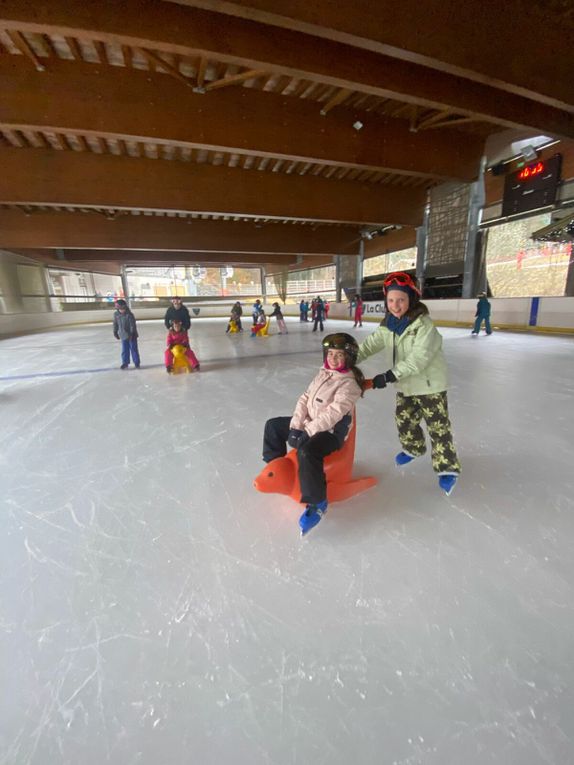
(127, 54)
(41, 140)
(50, 228)
(25, 48)
(189, 31)
(335, 100)
(201, 69)
(48, 176)
(156, 60)
(14, 138)
(452, 122)
(134, 104)
(62, 144)
(48, 44)
(100, 49)
(74, 47)
(82, 143)
(436, 117)
(235, 79)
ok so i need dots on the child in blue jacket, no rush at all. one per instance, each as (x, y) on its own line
(125, 330)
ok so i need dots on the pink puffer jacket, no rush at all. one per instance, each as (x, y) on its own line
(327, 400)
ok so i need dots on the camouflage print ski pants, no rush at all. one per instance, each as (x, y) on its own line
(433, 409)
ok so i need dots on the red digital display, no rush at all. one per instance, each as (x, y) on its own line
(532, 187)
(530, 171)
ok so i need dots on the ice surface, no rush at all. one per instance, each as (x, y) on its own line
(156, 610)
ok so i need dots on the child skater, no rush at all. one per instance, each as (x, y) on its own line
(236, 314)
(259, 323)
(280, 320)
(320, 423)
(125, 330)
(419, 371)
(358, 311)
(177, 335)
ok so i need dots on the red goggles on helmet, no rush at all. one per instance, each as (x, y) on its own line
(402, 280)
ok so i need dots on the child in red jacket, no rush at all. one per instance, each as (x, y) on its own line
(177, 335)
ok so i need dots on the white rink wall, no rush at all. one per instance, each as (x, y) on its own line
(553, 314)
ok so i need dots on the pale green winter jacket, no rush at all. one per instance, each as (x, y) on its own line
(418, 361)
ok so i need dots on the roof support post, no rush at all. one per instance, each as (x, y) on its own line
(422, 234)
(472, 256)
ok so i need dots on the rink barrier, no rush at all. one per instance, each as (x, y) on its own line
(554, 315)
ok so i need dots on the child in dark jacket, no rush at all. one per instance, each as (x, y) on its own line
(125, 330)
(177, 335)
(482, 315)
(236, 314)
(280, 320)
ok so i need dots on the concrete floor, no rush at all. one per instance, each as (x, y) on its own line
(156, 610)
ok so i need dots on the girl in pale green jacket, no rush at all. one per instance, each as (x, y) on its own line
(419, 372)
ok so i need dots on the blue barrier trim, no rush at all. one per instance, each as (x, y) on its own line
(533, 312)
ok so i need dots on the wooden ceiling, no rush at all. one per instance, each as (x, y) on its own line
(253, 130)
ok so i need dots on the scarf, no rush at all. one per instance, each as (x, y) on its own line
(397, 326)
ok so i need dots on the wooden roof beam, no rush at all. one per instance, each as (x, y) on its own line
(147, 257)
(235, 79)
(514, 49)
(172, 28)
(335, 100)
(25, 48)
(137, 105)
(158, 60)
(84, 179)
(77, 230)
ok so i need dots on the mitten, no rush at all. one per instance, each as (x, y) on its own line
(382, 380)
(297, 438)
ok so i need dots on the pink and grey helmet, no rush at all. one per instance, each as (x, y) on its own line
(341, 341)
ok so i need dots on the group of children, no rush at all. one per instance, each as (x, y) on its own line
(260, 320)
(177, 322)
(315, 303)
(323, 414)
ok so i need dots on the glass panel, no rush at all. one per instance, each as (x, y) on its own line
(151, 284)
(73, 288)
(518, 266)
(303, 284)
(30, 278)
(400, 260)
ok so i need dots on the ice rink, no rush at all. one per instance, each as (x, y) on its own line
(156, 610)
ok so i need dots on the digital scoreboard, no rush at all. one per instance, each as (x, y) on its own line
(532, 186)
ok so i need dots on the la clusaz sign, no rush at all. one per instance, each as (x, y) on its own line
(374, 307)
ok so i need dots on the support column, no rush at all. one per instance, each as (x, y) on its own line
(125, 286)
(337, 260)
(473, 252)
(263, 284)
(422, 233)
(360, 260)
(47, 288)
(11, 296)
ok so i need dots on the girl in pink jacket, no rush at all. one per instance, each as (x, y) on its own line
(320, 423)
(177, 335)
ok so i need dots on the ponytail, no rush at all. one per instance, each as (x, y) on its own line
(359, 377)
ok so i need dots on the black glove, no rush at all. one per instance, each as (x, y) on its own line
(116, 335)
(381, 381)
(297, 438)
